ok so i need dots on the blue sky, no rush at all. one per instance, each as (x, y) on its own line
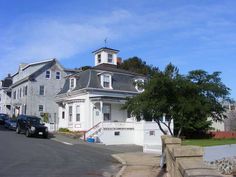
(192, 34)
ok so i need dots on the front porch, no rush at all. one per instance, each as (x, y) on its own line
(82, 114)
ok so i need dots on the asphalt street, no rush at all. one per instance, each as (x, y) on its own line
(37, 157)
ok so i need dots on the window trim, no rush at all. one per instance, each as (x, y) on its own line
(74, 83)
(110, 80)
(49, 74)
(136, 85)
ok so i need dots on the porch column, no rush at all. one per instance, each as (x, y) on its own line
(101, 107)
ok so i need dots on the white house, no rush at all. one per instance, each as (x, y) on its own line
(5, 95)
(91, 101)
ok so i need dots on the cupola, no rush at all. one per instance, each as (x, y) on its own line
(106, 55)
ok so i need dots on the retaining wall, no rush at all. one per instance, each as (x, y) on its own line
(184, 161)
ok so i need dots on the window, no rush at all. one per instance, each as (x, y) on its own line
(77, 113)
(72, 83)
(152, 133)
(110, 58)
(0, 97)
(41, 90)
(107, 112)
(70, 113)
(40, 108)
(20, 92)
(99, 58)
(14, 95)
(25, 92)
(58, 75)
(106, 81)
(63, 115)
(48, 74)
(24, 109)
(139, 85)
(117, 133)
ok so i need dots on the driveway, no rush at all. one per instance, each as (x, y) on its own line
(28, 157)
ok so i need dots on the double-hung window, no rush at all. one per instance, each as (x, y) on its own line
(77, 113)
(106, 81)
(40, 108)
(48, 74)
(70, 113)
(72, 83)
(99, 58)
(41, 90)
(110, 58)
(58, 75)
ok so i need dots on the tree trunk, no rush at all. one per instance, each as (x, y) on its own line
(179, 132)
(162, 130)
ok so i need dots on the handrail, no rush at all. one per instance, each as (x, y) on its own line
(85, 132)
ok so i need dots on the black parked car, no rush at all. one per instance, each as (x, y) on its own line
(3, 117)
(31, 126)
(10, 124)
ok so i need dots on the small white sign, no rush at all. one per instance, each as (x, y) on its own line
(40, 133)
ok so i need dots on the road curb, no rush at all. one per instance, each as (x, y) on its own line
(123, 162)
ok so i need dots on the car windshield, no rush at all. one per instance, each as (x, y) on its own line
(35, 120)
(12, 120)
(3, 116)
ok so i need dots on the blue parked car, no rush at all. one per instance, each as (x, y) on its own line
(3, 117)
(10, 124)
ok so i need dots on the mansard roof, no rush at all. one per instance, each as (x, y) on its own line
(122, 80)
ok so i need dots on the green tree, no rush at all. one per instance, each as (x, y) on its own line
(189, 100)
(137, 65)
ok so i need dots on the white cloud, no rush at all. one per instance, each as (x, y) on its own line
(29, 41)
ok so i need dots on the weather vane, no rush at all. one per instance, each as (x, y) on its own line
(105, 41)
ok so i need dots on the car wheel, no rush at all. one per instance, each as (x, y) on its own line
(27, 133)
(18, 130)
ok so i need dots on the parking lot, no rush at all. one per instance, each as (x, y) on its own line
(21, 156)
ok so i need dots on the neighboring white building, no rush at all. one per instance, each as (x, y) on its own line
(5, 95)
(91, 101)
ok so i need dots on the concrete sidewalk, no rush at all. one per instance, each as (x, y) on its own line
(139, 164)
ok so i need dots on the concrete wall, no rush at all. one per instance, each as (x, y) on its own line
(184, 161)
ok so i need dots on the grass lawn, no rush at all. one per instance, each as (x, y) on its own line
(208, 142)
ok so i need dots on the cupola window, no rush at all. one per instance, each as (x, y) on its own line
(110, 58)
(99, 58)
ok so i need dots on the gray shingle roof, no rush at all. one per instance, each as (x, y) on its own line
(122, 80)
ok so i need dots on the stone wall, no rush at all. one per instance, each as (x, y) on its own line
(184, 161)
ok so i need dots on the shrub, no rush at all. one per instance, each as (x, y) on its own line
(64, 130)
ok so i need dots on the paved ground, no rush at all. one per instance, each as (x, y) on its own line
(26, 157)
(139, 164)
(218, 152)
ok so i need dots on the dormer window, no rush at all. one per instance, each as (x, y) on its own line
(106, 81)
(72, 83)
(110, 58)
(139, 85)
